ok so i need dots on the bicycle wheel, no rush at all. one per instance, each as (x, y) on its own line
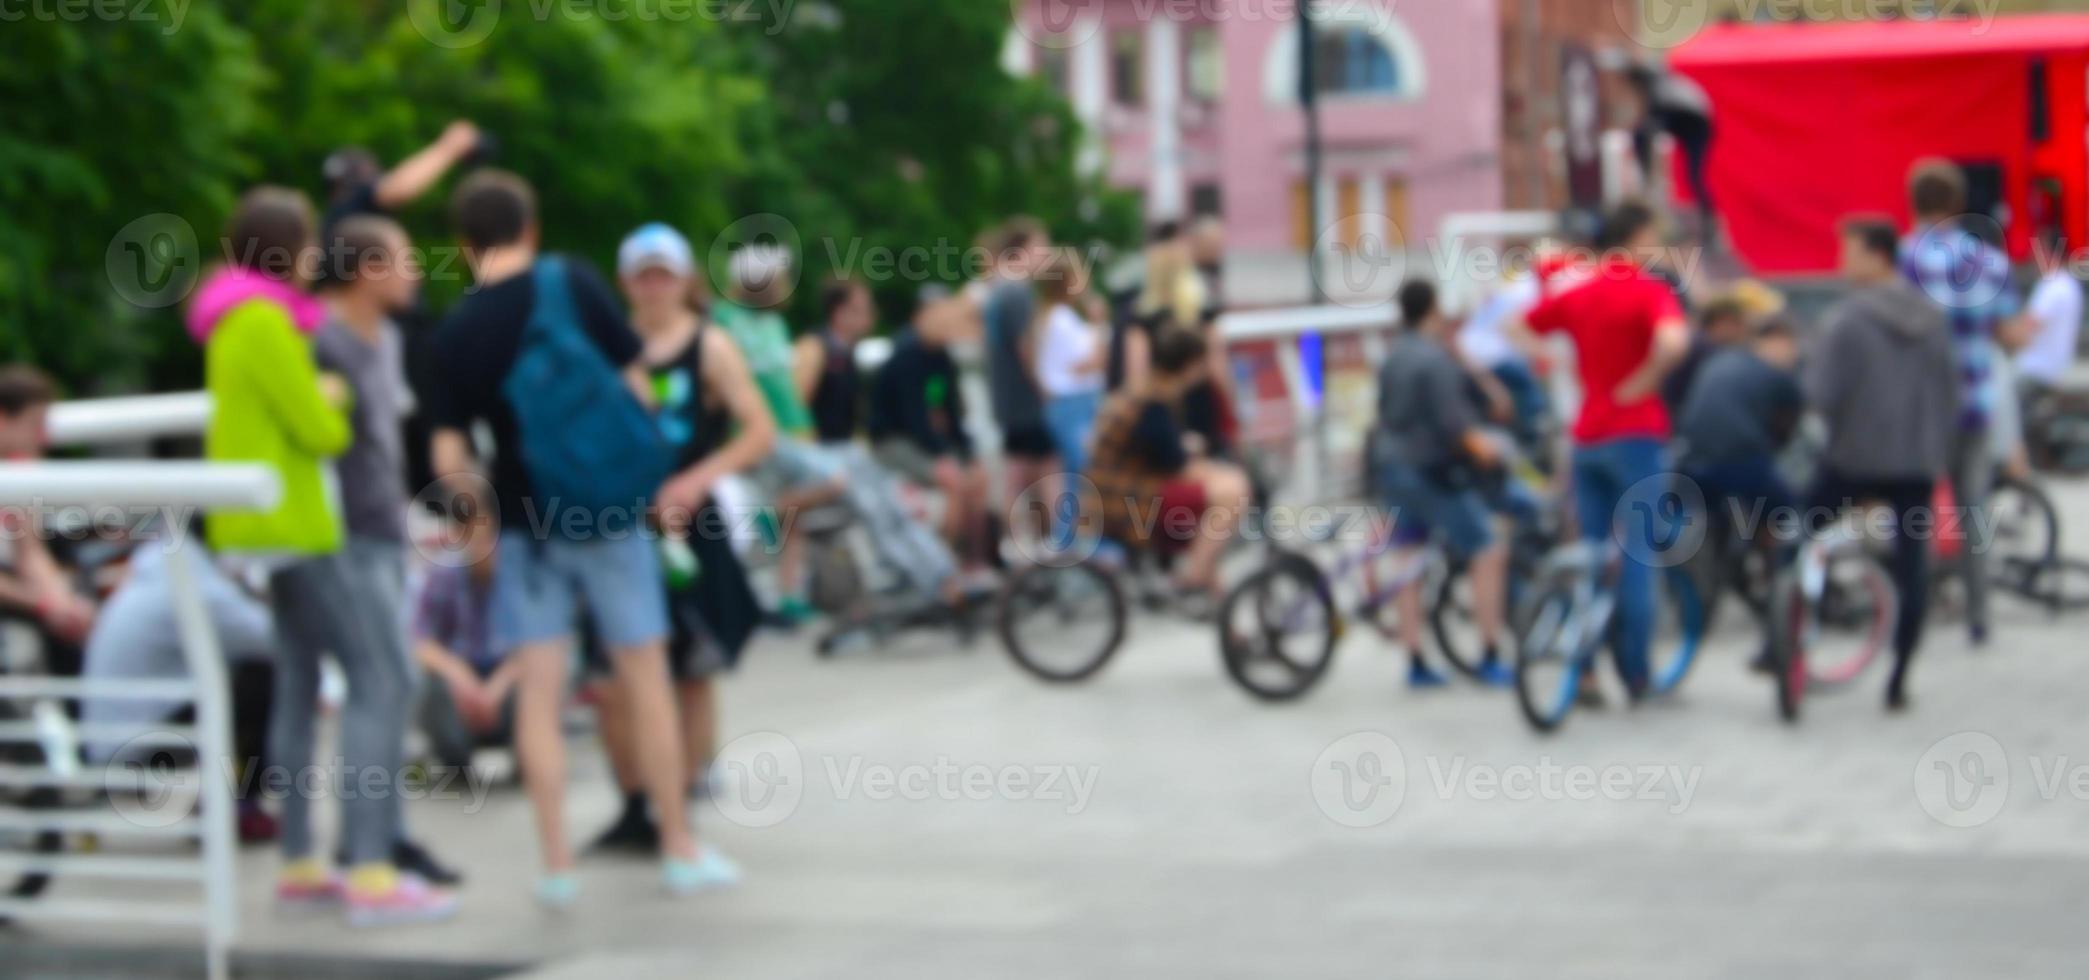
(1452, 622)
(1062, 623)
(1854, 621)
(1278, 629)
(1549, 664)
(1788, 646)
(2063, 585)
(2026, 533)
(1679, 629)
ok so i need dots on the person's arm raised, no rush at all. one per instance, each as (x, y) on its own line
(415, 175)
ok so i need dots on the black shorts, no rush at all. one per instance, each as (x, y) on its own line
(1029, 441)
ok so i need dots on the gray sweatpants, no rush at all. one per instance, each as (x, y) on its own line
(1972, 478)
(348, 605)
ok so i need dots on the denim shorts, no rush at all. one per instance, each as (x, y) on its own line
(1459, 519)
(540, 584)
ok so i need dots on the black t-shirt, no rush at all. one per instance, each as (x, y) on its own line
(690, 426)
(475, 349)
(839, 391)
(358, 200)
(1157, 437)
(917, 396)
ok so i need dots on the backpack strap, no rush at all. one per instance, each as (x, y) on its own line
(554, 289)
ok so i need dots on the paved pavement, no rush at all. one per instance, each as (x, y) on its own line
(927, 813)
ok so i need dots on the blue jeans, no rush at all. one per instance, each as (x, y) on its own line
(1071, 418)
(1743, 493)
(539, 585)
(1621, 487)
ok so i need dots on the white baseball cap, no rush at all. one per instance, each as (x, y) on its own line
(656, 246)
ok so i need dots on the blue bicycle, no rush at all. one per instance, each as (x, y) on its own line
(1571, 615)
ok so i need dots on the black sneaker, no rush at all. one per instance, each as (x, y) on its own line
(411, 858)
(633, 833)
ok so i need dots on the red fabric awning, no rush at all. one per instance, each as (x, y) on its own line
(1815, 122)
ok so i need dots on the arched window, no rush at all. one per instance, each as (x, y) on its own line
(1349, 61)
(1359, 52)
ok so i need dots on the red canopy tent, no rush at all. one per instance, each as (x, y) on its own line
(1814, 122)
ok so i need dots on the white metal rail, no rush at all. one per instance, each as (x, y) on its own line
(177, 489)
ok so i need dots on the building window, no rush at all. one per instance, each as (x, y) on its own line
(1348, 60)
(1128, 69)
(1206, 66)
(1207, 200)
(1055, 69)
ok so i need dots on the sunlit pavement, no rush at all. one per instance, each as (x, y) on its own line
(928, 813)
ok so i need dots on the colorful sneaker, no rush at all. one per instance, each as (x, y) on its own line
(710, 870)
(558, 892)
(408, 901)
(307, 885)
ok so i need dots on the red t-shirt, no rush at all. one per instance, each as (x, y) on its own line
(1610, 311)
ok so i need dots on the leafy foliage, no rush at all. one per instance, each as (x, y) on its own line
(866, 124)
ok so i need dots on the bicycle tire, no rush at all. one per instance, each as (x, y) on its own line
(1047, 583)
(1874, 592)
(1787, 627)
(1547, 702)
(1450, 614)
(1245, 651)
(1678, 593)
(2061, 586)
(2024, 516)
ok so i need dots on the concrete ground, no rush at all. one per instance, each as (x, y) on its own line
(927, 813)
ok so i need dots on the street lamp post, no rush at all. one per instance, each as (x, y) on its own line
(1309, 102)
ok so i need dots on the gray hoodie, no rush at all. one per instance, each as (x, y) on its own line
(1884, 378)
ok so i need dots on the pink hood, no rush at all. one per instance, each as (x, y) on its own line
(231, 286)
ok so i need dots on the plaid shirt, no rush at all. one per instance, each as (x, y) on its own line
(451, 611)
(1969, 279)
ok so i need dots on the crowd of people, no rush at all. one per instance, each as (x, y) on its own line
(579, 431)
(1916, 375)
(583, 428)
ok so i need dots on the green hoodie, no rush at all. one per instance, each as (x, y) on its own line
(267, 408)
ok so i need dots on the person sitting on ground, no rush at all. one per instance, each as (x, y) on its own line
(34, 586)
(917, 422)
(1429, 453)
(469, 699)
(1157, 488)
(717, 423)
(1884, 378)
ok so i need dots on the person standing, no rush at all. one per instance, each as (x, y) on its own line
(1628, 331)
(713, 417)
(1885, 380)
(1030, 456)
(540, 355)
(374, 273)
(272, 406)
(1431, 457)
(1069, 357)
(1967, 279)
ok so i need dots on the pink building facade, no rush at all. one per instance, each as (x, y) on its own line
(1194, 105)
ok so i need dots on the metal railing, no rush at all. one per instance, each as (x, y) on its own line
(177, 489)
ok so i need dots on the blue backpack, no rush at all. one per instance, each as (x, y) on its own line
(587, 443)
